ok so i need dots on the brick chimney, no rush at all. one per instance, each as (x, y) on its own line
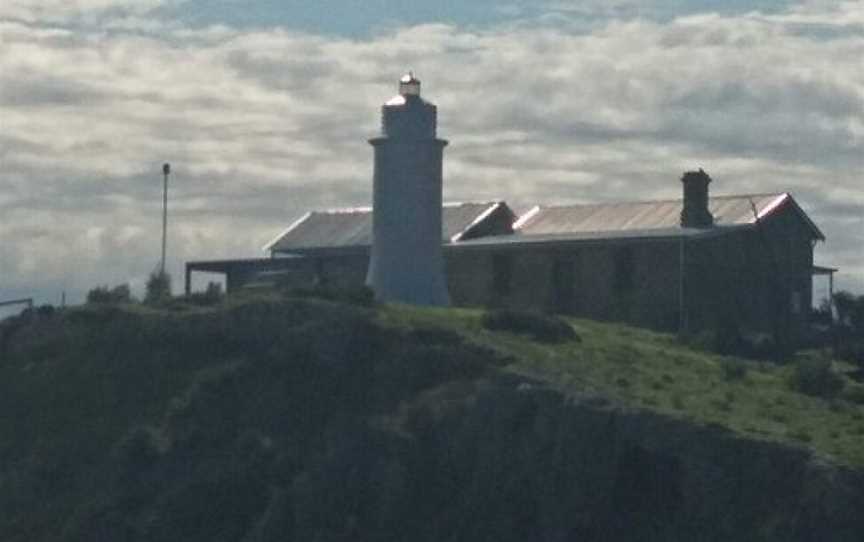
(695, 213)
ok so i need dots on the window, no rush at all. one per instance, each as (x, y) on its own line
(502, 274)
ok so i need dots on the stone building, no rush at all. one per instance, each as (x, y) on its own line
(695, 262)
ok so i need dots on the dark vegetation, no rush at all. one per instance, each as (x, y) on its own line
(209, 297)
(360, 296)
(318, 415)
(158, 287)
(195, 426)
(730, 339)
(842, 334)
(734, 369)
(538, 326)
(848, 335)
(816, 377)
(105, 295)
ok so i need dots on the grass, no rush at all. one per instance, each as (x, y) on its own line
(631, 366)
(105, 408)
(643, 369)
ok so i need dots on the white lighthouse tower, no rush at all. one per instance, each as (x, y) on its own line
(406, 263)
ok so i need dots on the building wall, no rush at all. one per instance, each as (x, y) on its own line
(758, 279)
(633, 282)
(343, 271)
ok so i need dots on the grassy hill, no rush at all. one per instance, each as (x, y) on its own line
(274, 418)
(642, 369)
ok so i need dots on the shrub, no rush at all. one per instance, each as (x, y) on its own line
(851, 351)
(540, 327)
(816, 377)
(436, 335)
(104, 295)
(158, 287)
(729, 342)
(734, 369)
(847, 306)
(822, 314)
(356, 295)
(801, 435)
(854, 394)
(211, 296)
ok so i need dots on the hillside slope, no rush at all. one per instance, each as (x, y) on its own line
(280, 419)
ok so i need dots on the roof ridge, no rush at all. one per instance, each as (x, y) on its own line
(648, 201)
(483, 202)
(368, 208)
(342, 210)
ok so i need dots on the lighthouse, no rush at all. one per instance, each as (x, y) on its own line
(406, 263)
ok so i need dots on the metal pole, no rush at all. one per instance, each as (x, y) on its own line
(682, 303)
(166, 169)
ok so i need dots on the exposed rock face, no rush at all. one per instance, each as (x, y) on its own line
(509, 461)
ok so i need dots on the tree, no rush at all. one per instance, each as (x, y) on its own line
(844, 302)
(158, 287)
(102, 294)
(849, 333)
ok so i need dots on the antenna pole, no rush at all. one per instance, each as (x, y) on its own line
(166, 169)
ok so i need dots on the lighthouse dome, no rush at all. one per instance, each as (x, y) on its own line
(407, 115)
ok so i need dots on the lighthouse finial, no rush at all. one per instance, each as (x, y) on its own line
(409, 85)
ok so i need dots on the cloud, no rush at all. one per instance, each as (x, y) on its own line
(261, 125)
(829, 13)
(65, 11)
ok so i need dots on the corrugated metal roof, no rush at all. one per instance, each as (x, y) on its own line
(519, 238)
(641, 215)
(353, 227)
(624, 220)
(459, 217)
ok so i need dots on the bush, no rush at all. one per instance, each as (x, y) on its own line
(104, 295)
(211, 296)
(850, 309)
(729, 342)
(734, 369)
(850, 351)
(847, 337)
(816, 377)
(822, 314)
(540, 327)
(158, 287)
(45, 311)
(854, 394)
(436, 335)
(362, 296)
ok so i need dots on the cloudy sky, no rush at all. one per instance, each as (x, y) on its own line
(263, 109)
